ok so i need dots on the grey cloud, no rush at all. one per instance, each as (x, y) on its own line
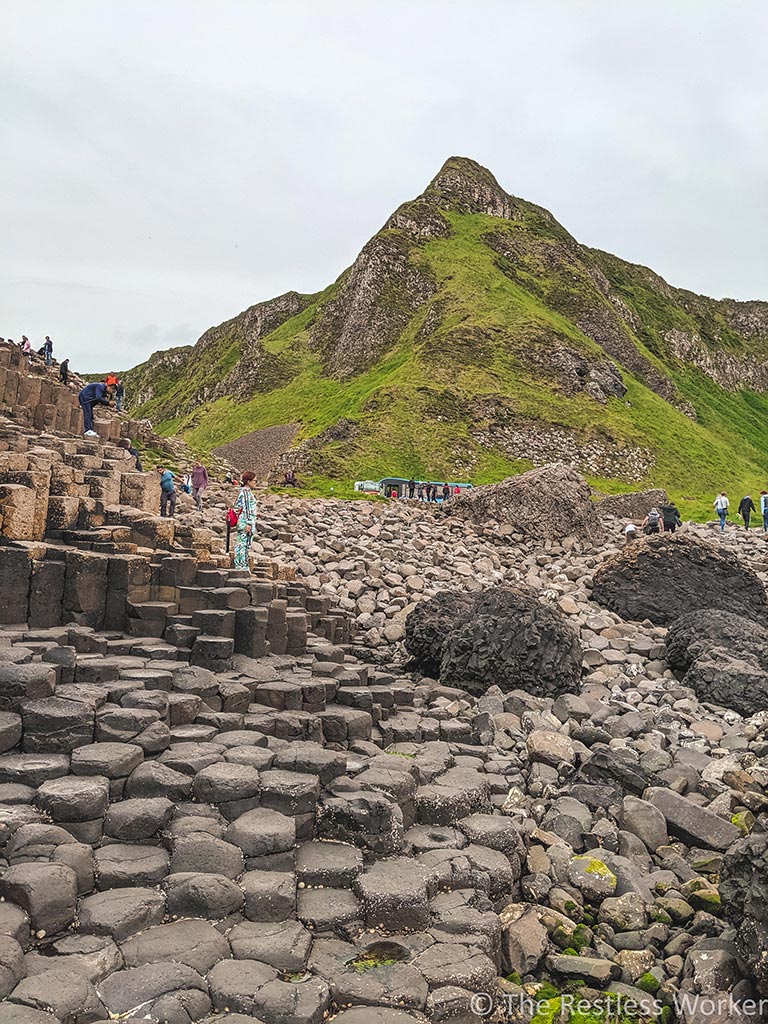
(166, 165)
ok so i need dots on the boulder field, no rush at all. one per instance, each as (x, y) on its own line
(409, 764)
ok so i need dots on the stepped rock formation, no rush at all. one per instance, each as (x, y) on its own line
(474, 337)
(224, 796)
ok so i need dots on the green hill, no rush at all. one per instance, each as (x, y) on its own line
(474, 337)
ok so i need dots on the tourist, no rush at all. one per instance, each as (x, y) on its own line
(64, 371)
(48, 351)
(456, 490)
(670, 517)
(630, 533)
(746, 508)
(446, 492)
(422, 492)
(411, 488)
(89, 396)
(112, 380)
(167, 493)
(119, 396)
(289, 479)
(653, 523)
(186, 483)
(722, 505)
(199, 483)
(132, 451)
(433, 492)
(26, 348)
(764, 509)
(245, 508)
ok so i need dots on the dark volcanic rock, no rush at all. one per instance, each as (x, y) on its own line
(508, 638)
(744, 895)
(430, 622)
(665, 575)
(724, 657)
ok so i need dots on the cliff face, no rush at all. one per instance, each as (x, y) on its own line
(468, 299)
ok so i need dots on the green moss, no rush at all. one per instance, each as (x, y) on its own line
(648, 983)
(369, 962)
(744, 820)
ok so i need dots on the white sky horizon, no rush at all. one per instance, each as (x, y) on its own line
(168, 165)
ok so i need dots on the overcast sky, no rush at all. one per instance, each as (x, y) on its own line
(166, 164)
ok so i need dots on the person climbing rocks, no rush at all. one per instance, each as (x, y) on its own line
(653, 523)
(764, 509)
(119, 395)
(670, 517)
(48, 351)
(245, 509)
(630, 533)
(721, 505)
(89, 396)
(112, 380)
(26, 348)
(64, 371)
(199, 483)
(132, 451)
(746, 508)
(411, 488)
(167, 493)
(289, 479)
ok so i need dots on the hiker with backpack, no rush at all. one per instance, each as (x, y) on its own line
(167, 493)
(746, 508)
(722, 504)
(670, 517)
(244, 515)
(653, 523)
(764, 509)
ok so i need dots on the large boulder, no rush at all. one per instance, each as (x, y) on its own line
(633, 505)
(724, 658)
(429, 623)
(744, 897)
(663, 576)
(549, 503)
(505, 636)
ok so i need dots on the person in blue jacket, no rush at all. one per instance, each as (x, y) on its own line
(90, 395)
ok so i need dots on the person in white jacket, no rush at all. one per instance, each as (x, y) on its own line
(722, 505)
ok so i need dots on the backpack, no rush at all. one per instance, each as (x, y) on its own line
(232, 517)
(653, 519)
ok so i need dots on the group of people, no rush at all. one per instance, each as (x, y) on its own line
(45, 350)
(194, 482)
(746, 508)
(660, 519)
(428, 491)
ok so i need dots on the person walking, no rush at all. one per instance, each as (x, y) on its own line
(446, 492)
(167, 493)
(764, 509)
(746, 508)
(653, 523)
(422, 492)
(26, 348)
(199, 483)
(411, 488)
(245, 509)
(670, 517)
(88, 397)
(722, 505)
(64, 371)
(119, 395)
(48, 351)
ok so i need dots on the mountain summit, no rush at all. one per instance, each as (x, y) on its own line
(472, 337)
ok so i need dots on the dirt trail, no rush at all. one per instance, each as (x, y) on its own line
(259, 450)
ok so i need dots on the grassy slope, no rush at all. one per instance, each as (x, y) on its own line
(412, 408)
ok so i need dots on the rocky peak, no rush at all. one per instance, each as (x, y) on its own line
(465, 186)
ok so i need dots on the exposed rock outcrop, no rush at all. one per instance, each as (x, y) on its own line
(634, 505)
(663, 576)
(504, 636)
(550, 503)
(744, 893)
(724, 658)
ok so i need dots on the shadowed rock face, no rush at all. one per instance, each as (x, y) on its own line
(550, 503)
(662, 577)
(744, 894)
(724, 657)
(504, 637)
(634, 505)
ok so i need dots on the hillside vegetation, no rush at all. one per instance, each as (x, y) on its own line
(472, 338)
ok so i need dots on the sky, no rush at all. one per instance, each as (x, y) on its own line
(167, 164)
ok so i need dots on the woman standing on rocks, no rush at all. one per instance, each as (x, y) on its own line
(245, 507)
